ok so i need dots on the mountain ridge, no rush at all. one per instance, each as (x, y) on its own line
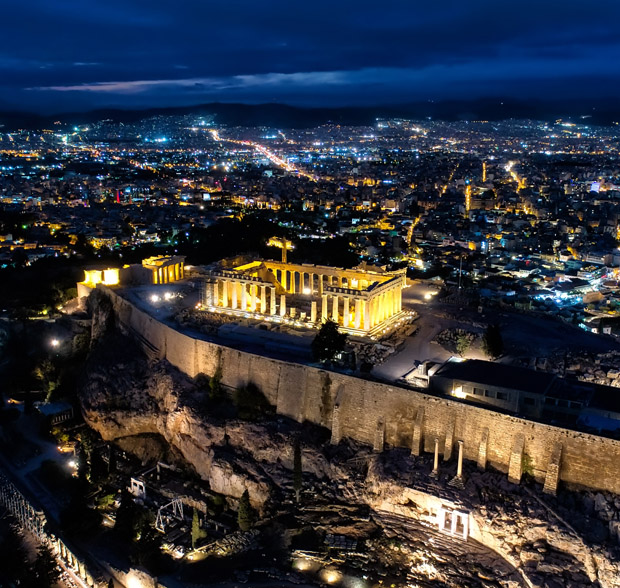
(601, 112)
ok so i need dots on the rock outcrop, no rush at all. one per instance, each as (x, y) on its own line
(125, 395)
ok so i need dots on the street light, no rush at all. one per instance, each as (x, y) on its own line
(54, 343)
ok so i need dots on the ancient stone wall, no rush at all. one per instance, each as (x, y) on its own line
(409, 418)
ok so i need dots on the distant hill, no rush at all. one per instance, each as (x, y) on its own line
(602, 112)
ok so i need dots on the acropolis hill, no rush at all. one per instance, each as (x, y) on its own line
(378, 414)
(399, 434)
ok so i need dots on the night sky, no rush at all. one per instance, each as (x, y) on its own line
(77, 54)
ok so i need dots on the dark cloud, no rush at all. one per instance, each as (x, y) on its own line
(71, 52)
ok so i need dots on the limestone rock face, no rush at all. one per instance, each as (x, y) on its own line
(532, 535)
(125, 396)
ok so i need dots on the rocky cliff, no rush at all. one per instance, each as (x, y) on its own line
(567, 541)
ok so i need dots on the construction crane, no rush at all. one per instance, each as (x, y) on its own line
(281, 243)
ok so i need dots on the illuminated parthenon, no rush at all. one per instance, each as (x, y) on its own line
(361, 301)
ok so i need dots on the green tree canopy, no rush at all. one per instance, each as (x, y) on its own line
(328, 342)
(493, 342)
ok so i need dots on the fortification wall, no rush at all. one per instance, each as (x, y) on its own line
(358, 409)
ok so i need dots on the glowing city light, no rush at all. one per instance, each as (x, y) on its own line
(331, 576)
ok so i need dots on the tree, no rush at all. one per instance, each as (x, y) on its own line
(44, 567)
(492, 342)
(47, 375)
(126, 515)
(245, 514)
(13, 556)
(462, 343)
(197, 532)
(297, 469)
(328, 342)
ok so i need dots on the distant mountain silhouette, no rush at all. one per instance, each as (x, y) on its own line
(602, 112)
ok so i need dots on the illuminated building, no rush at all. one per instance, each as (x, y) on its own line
(362, 301)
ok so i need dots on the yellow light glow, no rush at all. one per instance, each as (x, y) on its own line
(331, 576)
(107, 277)
(111, 277)
(458, 392)
(301, 564)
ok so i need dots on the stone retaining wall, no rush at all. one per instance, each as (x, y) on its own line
(409, 418)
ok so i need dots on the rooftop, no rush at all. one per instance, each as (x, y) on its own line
(497, 374)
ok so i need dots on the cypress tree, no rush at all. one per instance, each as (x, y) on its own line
(297, 469)
(245, 514)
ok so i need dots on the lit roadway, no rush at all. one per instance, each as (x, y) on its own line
(515, 177)
(266, 153)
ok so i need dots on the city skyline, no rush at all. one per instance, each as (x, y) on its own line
(134, 54)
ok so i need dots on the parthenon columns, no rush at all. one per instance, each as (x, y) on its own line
(358, 312)
(272, 300)
(345, 313)
(253, 297)
(335, 309)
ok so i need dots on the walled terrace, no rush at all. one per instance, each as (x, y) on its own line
(383, 415)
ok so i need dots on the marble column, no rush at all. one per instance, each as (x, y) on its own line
(244, 297)
(272, 301)
(346, 319)
(323, 307)
(435, 472)
(457, 481)
(253, 297)
(335, 309)
(233, 295)
(366, 315)
(313, 311)
(282, 305)
(459, 467)
(358, 312)
(263, 299)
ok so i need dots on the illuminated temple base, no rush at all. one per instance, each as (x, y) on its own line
(364, 302)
